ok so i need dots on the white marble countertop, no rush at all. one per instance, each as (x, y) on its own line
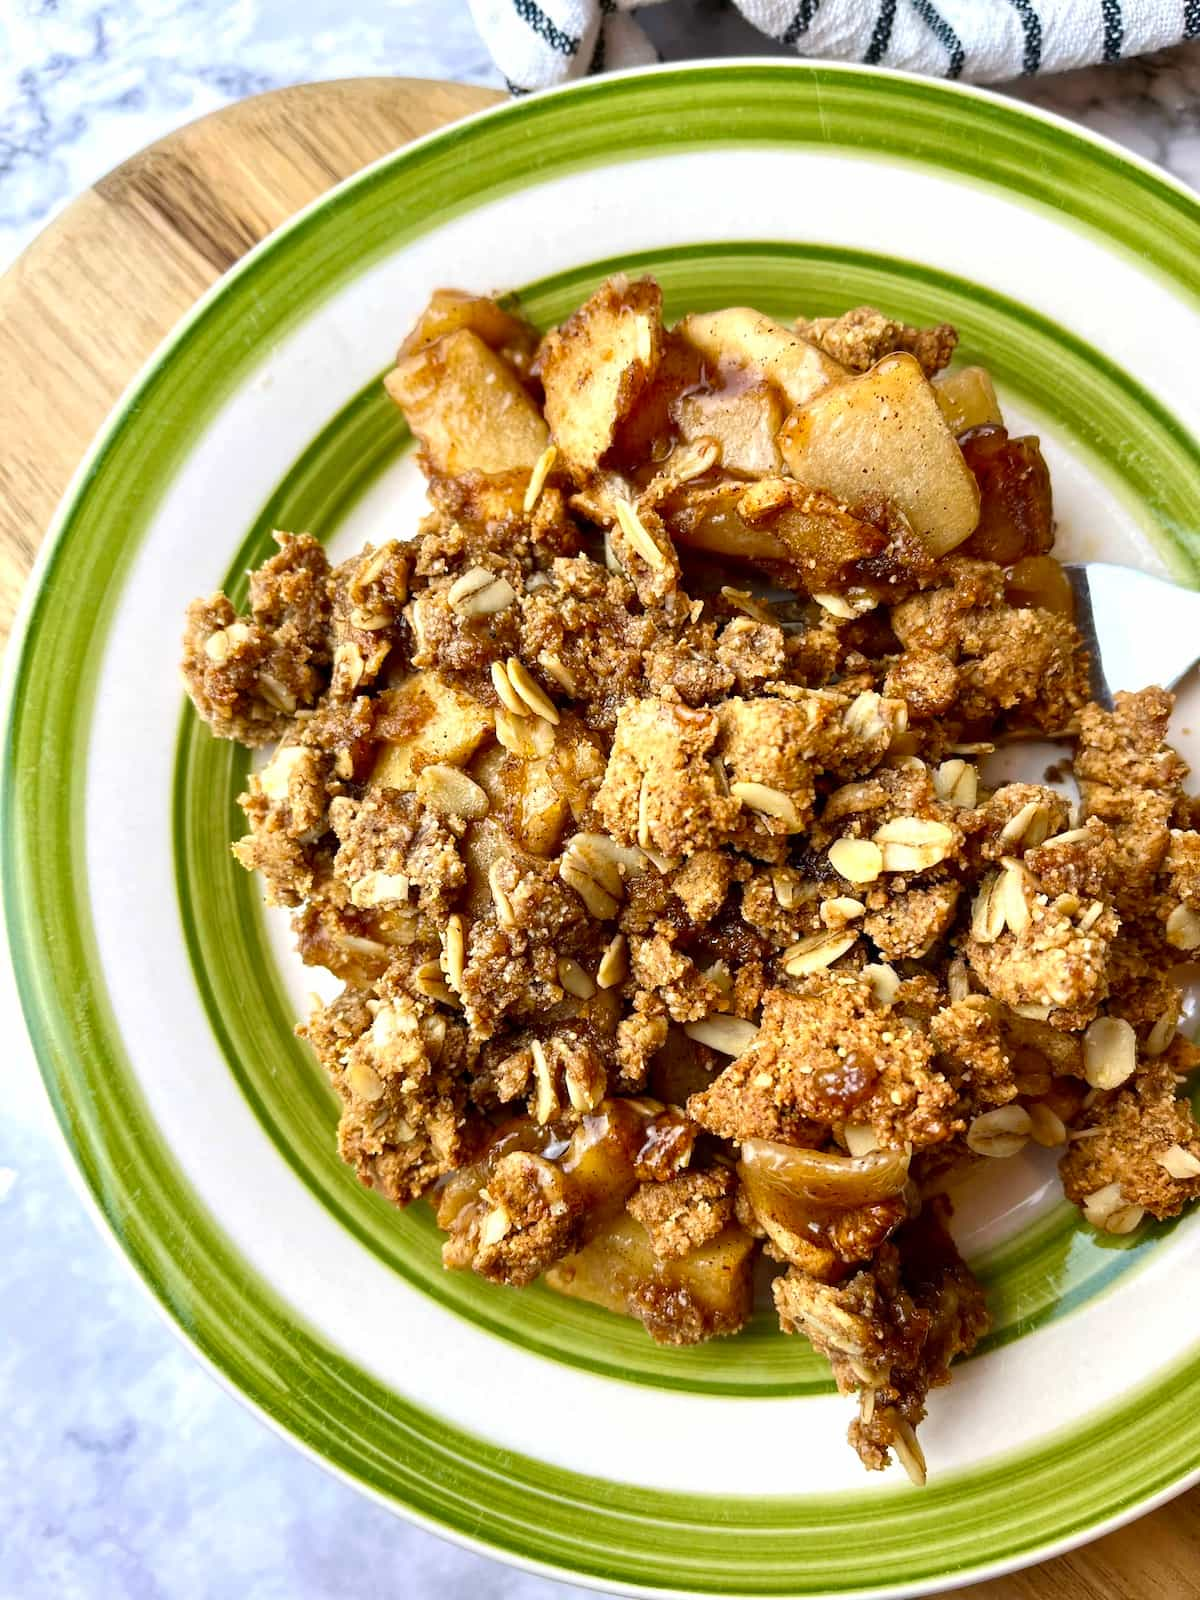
(126, 1472)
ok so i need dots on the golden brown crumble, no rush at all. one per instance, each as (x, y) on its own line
(680, 926)
(685, 1212)
(860, 338)
(891, 1332)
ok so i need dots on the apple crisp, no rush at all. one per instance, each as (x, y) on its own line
(639, 801)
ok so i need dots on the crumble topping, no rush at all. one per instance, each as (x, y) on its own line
(640, 802)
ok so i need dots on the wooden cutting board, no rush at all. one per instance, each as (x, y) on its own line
(96, 292)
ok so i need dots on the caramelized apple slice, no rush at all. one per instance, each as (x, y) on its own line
(774, 520)
(536, 794)
(648, 433)
(740, 340)
(451, 309)
(426, 719)
(682, 1301)
(823, 539)
(967, 398)
(705, 517)
(884, 434)
(598, 364)
(820, 1210)
(815, 1178)
(1016, 513)
(1039, 583)
(744, 422)
(467, 406)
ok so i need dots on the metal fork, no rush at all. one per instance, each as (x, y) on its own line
(1137, 629)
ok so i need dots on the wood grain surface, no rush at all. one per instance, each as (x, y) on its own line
(95, 293)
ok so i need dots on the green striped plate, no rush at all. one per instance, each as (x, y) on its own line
(160, 995)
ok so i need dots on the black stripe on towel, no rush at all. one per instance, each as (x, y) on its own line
(944, 34)
(599, 60)
(881, 34)
(1032, 24)
(600, 54)
(530, 12)
(1191, 19)
(1114, 29)
(801, 22)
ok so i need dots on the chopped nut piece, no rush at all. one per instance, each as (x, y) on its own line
(730, 1035)
(884, 981)
(531, 738)
(956, 782)
(530, 692)
(845, 606)
(1108, 1210)
(379, 888)
(276, 776)
(1001, 1133)
(1179, 1163)
(869, 715)
(858, 860)
(770, 802)
(614, 963)
(574, 979)
(365, 1083)
(1028, 827)
(1183, 929)
(480, 593)
(913, 844)
(450, 793)
(836, 913)
(542, 468)
(1109, 1052)
(506, 690)
(369, 622)
(817, 951)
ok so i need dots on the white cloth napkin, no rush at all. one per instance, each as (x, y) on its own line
(537, 43)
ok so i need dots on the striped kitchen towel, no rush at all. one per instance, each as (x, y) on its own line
(537, 43)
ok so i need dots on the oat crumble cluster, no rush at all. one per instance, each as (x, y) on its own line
(638, 803)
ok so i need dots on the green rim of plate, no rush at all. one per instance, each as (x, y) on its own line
(1055, 1265)
(1008, 1509)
